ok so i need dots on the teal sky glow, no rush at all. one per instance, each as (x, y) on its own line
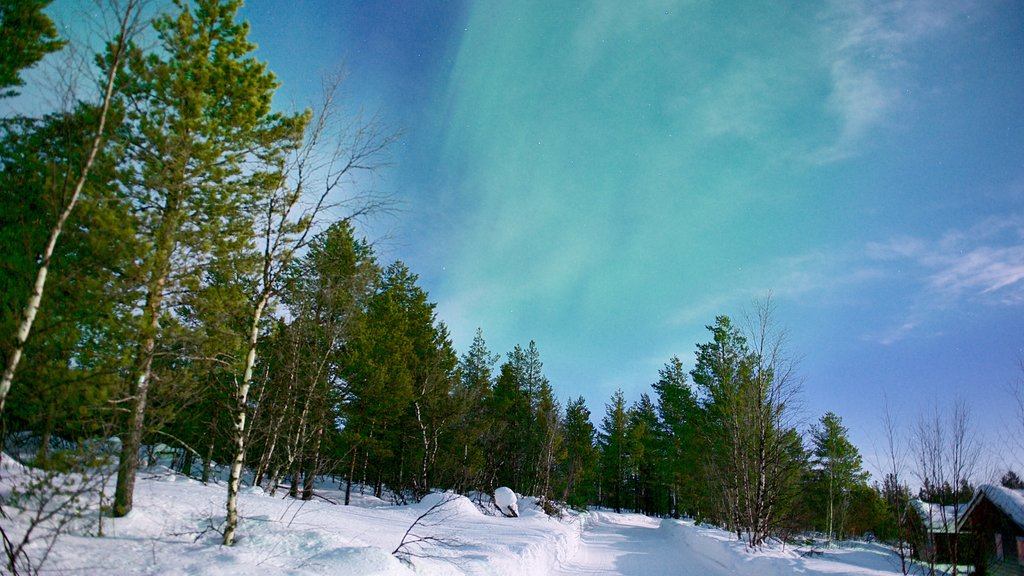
(607, 177)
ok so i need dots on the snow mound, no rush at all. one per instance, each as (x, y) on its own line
(449, 504)
(505, 499)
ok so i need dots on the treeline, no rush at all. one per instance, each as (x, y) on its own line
(181, 266)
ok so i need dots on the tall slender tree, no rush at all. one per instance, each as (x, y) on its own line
(612, 440)
(199, 111)
(580, 457)
(678, 416)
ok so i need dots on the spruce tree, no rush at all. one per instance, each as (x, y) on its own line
(678, 417)
(580, 457)
(472, 394)
(613, 443)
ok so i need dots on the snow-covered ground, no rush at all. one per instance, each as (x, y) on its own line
(172, 530)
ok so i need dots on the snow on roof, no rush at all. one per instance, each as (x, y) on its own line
(936, 517)
(1006, 499)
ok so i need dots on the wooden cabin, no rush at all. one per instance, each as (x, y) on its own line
(995, 517)
(933, 531)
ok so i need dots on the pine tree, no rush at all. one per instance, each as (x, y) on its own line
(198, 109)
(31, 39)
(471, 396)
(839, 466)
(678, 416)
(644, 455)
(1012, 481)
(26, 35)
(747, 387)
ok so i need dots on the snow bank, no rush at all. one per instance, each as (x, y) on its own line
(173, 530)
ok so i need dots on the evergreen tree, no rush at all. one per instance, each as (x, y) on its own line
(71, 361)
(398, 376)
(26, 35)
(198, 108)
(613, 443)
(580, 457)
(27, 45)
(747, 388)
(471, 394)
(644, 453)
(722, 366)
(678, 417)
(839, 467)
(1012, 481)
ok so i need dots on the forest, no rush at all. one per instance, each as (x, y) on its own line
(182, 269)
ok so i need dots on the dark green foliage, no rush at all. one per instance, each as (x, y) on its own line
(678, 419)
(613, 442)
(838, 473)
(471, 393)
(1012, 481)
(78, 344)
(579, 461)
(398, 373)
(162, 268)
(26, 35)
(946, 494)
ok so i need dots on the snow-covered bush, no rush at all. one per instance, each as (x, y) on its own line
(505, 499)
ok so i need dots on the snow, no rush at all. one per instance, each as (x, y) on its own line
(172, 530)
(636, 544)
(505, 500)
(936, 517)
(1006, 499)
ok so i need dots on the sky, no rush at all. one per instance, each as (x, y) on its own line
(605, 178)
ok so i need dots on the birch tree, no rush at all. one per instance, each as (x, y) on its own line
(17, 52)
(198, 110)
(315, 176)
(748, 391)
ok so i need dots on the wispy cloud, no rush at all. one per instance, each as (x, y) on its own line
(982, 264)
(864, 43)
(983, 271)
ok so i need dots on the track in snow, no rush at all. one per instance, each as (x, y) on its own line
(632, 544)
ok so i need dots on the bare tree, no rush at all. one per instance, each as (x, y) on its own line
(45, 504)
(129, 23)
(895, 467)
(749, 392)
(771, 412)
(947, 454)
(421, 539)
(1017, 431)
(285, 226)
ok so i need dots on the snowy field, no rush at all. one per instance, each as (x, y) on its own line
(172, 530)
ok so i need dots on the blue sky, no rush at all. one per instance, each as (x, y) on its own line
(605, 178)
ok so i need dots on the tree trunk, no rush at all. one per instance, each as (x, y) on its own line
(240, 410)
(208, 461)
(139, 391)
(186, 462)
(36, 296)
(351, 473)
